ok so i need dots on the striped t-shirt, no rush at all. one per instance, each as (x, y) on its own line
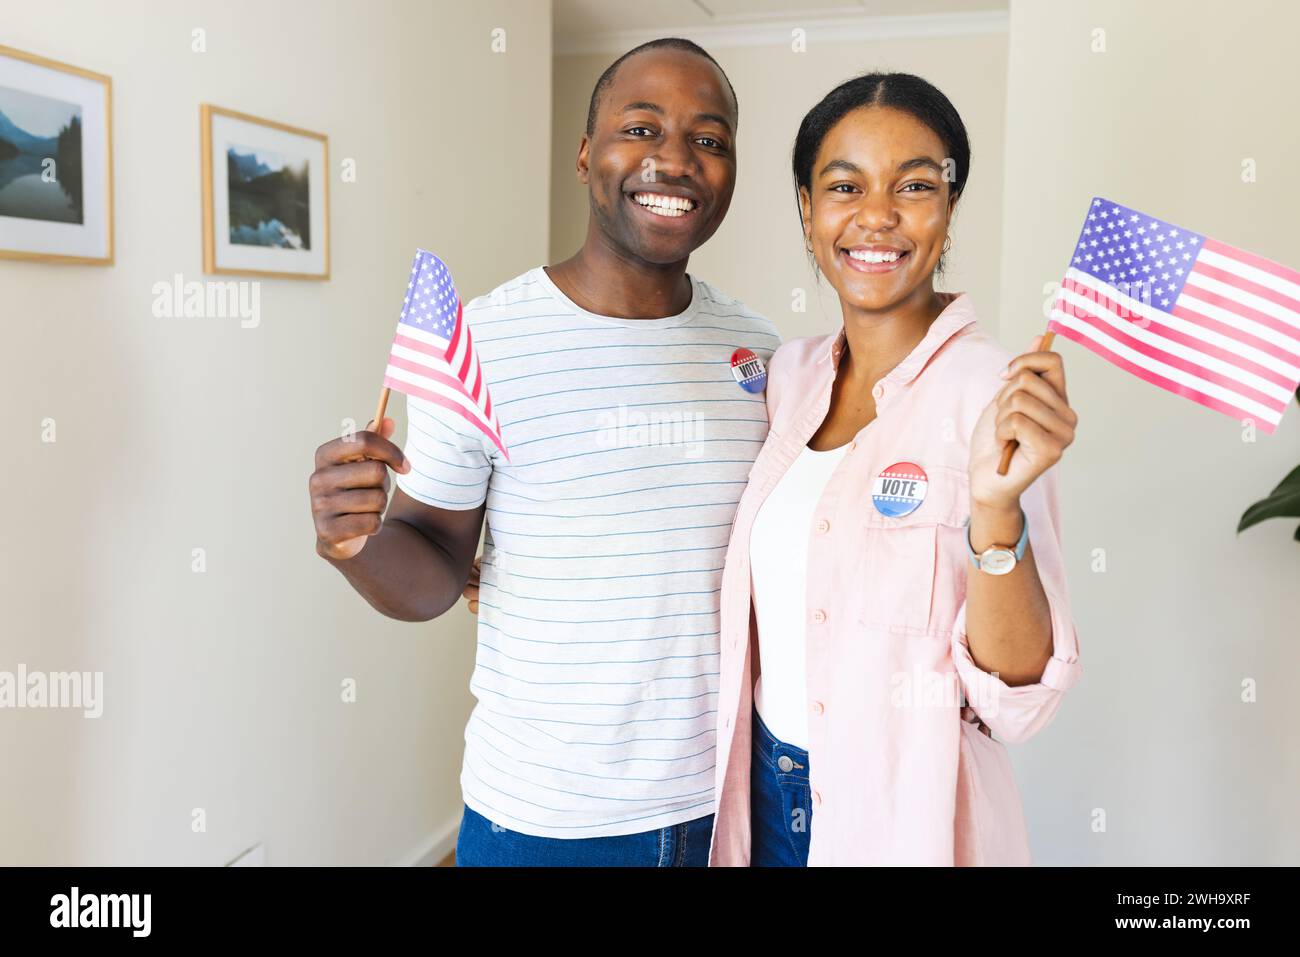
(630, 442)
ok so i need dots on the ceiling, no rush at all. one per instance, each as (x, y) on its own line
(577, 18)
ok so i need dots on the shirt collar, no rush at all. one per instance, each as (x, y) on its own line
(958, 313)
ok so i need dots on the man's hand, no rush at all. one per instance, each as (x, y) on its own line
(470, 594)
(349, 489)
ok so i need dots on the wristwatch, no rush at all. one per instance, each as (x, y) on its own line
(999, 559)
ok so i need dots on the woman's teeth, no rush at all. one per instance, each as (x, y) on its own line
(874, 257)
(661, 205)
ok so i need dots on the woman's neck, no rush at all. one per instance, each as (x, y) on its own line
(877, 341)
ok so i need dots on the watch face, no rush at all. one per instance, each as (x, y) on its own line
(997, 561)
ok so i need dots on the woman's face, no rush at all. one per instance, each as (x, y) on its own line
(879, 207)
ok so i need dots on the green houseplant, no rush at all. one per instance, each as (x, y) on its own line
(1282, 502)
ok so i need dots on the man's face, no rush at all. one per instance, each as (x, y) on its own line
(660, 164)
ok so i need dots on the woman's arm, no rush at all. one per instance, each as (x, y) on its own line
(1008, 617)
(1008, 621)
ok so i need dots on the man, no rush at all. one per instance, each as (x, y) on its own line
(632, 411)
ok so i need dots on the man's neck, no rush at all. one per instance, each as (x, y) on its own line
(607, 282)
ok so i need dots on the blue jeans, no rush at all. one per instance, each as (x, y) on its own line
(780, 801)
(484, 844)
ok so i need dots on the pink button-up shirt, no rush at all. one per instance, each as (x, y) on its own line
(903, 767)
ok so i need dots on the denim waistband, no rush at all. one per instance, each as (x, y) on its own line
(771, 749)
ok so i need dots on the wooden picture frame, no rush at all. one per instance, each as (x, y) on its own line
(64, 120)
(268, 215)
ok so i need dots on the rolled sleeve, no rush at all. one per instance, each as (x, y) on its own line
(450, 466)
(1017, 713)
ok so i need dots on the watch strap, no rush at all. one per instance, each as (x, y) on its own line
(1018, 551)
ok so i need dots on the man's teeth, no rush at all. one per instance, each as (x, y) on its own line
(661, 205)
(867, 256)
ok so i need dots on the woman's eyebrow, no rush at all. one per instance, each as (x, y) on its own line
(919, 162)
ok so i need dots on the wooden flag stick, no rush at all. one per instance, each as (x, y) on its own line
(381, 409)
(1011, 446)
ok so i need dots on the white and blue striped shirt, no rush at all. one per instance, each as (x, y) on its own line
(630, 443)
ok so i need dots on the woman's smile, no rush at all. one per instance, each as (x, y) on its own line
(874, 259)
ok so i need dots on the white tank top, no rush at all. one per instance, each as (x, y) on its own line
(778, 549)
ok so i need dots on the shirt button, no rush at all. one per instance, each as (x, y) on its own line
(823, 526)
(818, 707)
(818, 616)
(817, 798)
(853, 445)
(727, 723)
(878, 391)
(784, 763)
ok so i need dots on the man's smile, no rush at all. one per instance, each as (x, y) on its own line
(665, 205)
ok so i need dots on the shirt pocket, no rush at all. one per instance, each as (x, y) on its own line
(911, 573)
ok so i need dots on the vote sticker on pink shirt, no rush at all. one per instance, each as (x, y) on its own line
(900, 489)
(747, 369)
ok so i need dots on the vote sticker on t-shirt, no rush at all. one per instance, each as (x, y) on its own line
(900, 489)
(747, 369)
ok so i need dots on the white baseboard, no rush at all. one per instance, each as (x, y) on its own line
(434, 848)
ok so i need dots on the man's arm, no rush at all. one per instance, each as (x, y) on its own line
(411, 564)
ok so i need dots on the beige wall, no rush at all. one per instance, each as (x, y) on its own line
(1155, 744)
(223, 688)
(758, 254)
(1156, 736)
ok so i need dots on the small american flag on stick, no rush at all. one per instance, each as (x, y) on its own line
(433, 356)
(1194, 316)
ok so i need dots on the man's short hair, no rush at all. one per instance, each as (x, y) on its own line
(669, 43)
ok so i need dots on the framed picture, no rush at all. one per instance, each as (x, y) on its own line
(56, 161)
(265, 197)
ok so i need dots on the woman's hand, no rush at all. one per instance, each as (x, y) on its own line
(1031, 408)
(470, 594)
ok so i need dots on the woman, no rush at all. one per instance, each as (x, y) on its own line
(886, 634)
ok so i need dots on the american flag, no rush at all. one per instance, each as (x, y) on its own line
(433, 355)
(1194, 316)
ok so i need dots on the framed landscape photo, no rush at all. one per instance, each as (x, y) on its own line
(265, 197)
(56, 161)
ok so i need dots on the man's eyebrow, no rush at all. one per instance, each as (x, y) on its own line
(919, 162)
(714, 117)
(656, 108)
(642, 105)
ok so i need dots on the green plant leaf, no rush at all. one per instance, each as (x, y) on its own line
(1282, 502)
